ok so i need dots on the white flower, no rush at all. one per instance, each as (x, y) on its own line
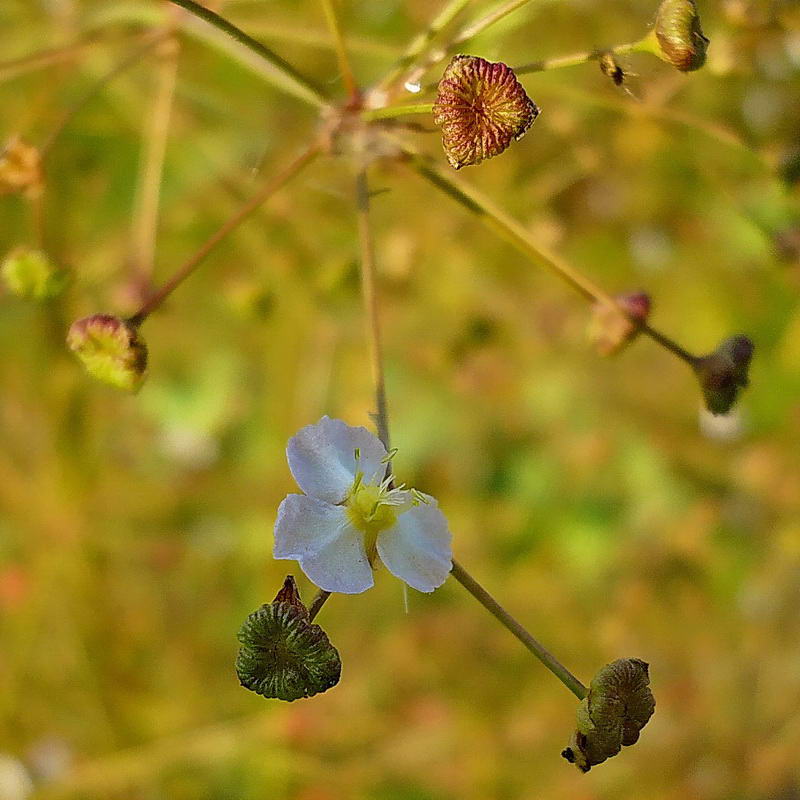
(349, 514)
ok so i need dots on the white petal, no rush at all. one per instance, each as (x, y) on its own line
(322, 458)
(330, 551)
(417, 548)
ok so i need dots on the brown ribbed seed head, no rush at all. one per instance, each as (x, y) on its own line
(481, 108)
(618, 705)
(680, 36)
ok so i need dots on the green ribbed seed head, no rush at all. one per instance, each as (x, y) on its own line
(680, 38)
(30, 274)
(110, 349)
(481, 108)
(618, 705)
(282, 654)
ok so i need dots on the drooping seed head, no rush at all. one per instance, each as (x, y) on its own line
(481, 108)
(680, 37)
(30, 274)
(282, 654)
(111, 350)
(723, 373)
(618, 705)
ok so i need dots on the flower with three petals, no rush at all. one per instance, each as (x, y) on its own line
(352, 515)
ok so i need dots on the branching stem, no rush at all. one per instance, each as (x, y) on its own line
(345, 67)
(240, 216)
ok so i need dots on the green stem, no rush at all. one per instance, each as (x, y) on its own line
(303, 87)
(341, 50)
(448, 13)
(45, 58)
(189, 266)
(389, 112)
(319, 600)
(515, 234)
(480, 25)
(533, 644)
(641, 46)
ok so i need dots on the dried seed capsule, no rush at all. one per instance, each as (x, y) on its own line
(111, 350)
(610, 330)
(283, 655)
(680, 37)
(481, 108)
(30, 274)
(618, 705)
(723, 373)
(20, 167)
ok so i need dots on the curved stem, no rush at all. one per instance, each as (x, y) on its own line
(389, 112)
(558, 62)
(341, 50)
(515, 234)
(533, 644)
(240, 216)
(303, 86)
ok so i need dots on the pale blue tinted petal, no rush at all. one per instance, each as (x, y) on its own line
(322, 458)
(330, 551)
(417, 548)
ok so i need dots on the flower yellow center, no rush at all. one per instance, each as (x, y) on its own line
(368, 511)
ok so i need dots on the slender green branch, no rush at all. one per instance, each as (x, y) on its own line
(480, 25)
(341, 50)
(644, 45)
(417, 46)
(148, 189)
(189, 266)
(319, 600)
(389, 112)
(515, 234)
(302, 86)
(533, 644)
(45, 58)
(370, 294)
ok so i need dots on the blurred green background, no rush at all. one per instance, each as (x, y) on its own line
(136, 532)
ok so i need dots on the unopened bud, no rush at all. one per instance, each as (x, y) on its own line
(282, 654)
(612, 328)
(680, 38)
(111, 350)
(618, 705)
(30, 274)
(20, 167)
(481, 108)
(723, 373)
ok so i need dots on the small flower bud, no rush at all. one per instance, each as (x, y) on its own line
(20, 167)
(610, 330)
(283, 655)
(680, 37)
(724, 372)
(618, 705)
(481, 108)
(30, 274)
(111, 350)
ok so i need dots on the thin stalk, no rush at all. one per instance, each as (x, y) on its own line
(533, 644)
(486, 21)
(302, 86)
(370, 296)
(44, 58)
(149, 41)
(189, 266)
(345, 67)
(417, 46)
(559, 62)
(389, 112)
(148, 190)
(515, 234)
(316, 604)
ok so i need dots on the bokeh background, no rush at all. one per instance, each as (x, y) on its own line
(587, 493)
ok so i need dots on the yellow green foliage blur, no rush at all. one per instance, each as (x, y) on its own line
(588, 494)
